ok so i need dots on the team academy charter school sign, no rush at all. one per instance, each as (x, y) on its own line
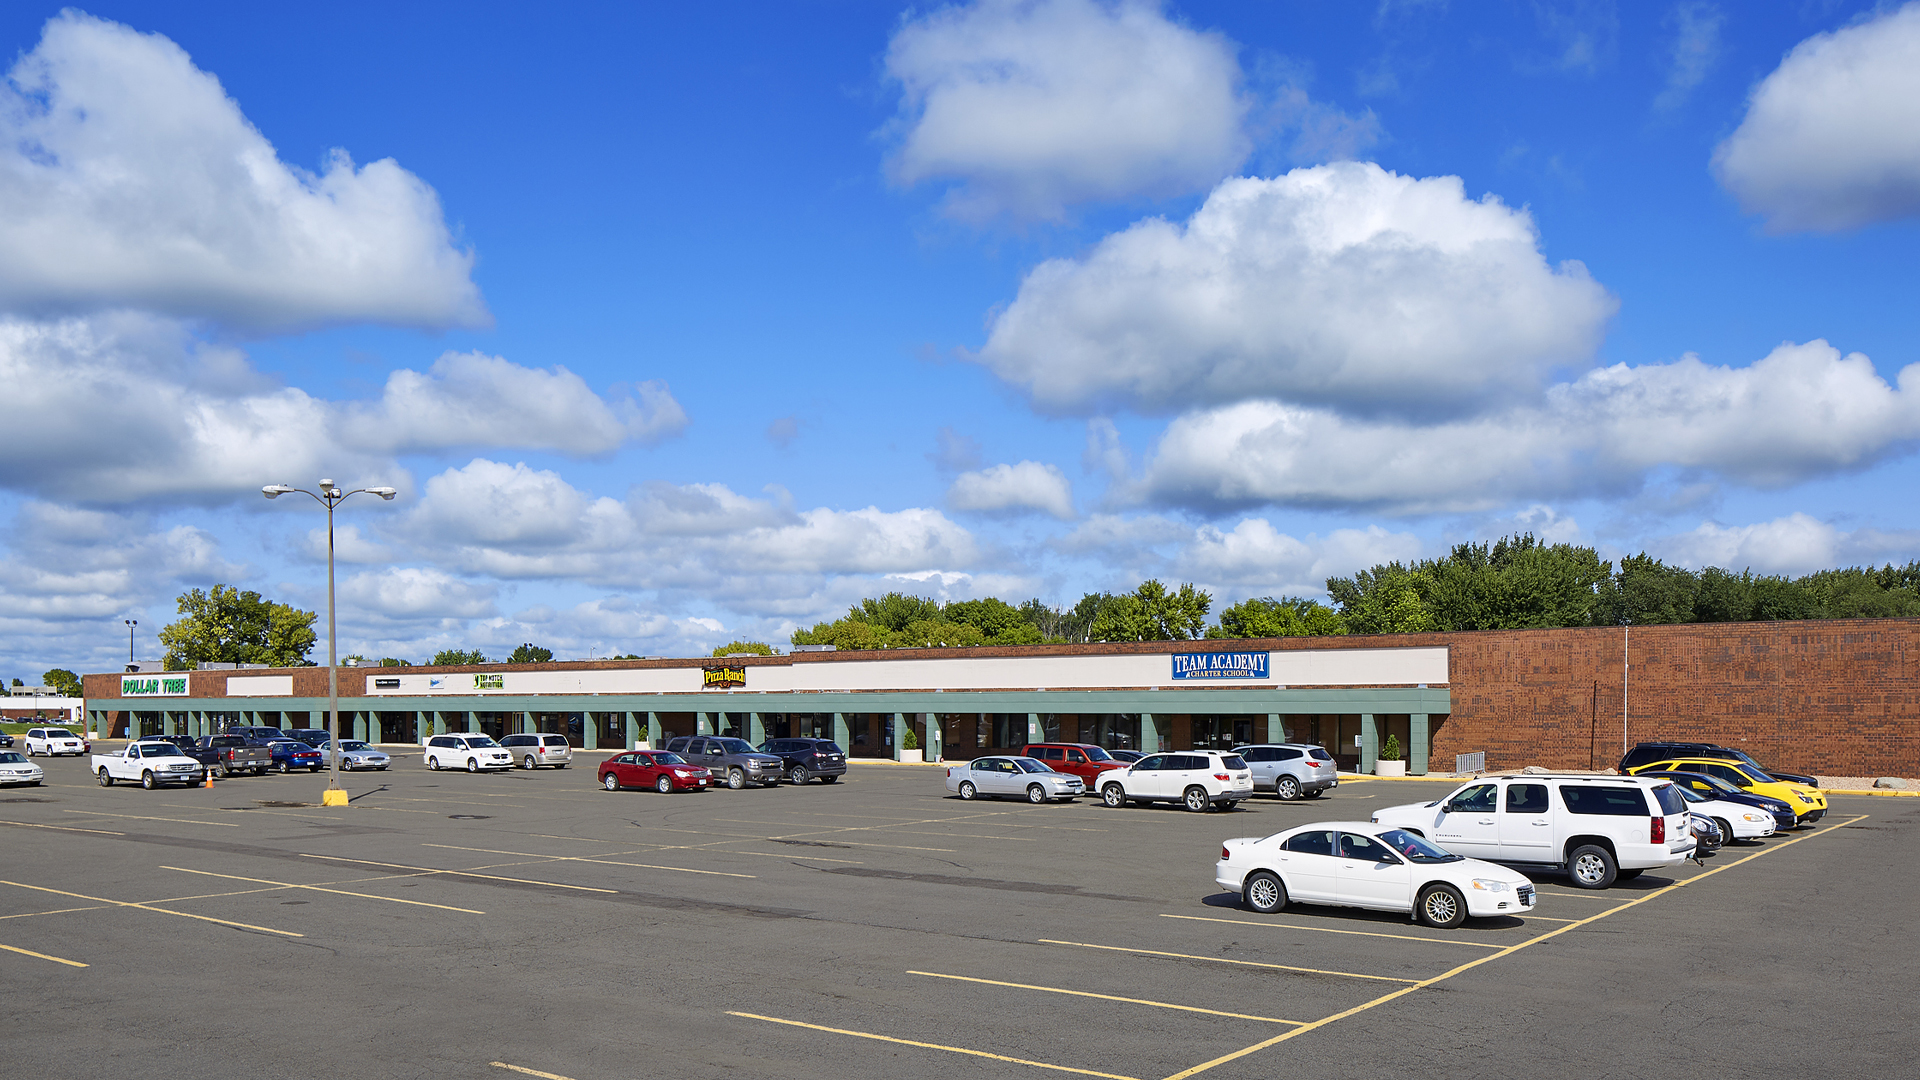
(1220, 665)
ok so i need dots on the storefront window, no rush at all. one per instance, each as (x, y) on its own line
(1114, 731)
(1221, 732)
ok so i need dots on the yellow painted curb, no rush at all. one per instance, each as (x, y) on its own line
(1871, 791)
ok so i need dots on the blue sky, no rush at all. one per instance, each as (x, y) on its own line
(675, 326)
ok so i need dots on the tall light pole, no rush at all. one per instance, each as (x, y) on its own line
(131, 623)
(330, 496)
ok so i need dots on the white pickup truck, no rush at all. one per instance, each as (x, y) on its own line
(150, 763)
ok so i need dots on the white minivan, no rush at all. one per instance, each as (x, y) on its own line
(1599, 829)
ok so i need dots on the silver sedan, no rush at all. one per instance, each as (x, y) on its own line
(355, 754)
(1011, 778)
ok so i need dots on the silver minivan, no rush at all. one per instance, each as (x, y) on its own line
(1291, 770)
(533, 751)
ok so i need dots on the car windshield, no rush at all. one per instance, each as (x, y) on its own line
(828, 748)
(734, 746)
(668, 759)
(57, 733)
(1758, 776)
(1664, 795)
(1027, 764)
(1713, 782)
(1415, 848)
(160, 749)
(353, 745)
(1319, 754)
(1234, 761)
(1747, 759)
(1690, 795)
(1094, 753)
(480, 742)
(11, 756)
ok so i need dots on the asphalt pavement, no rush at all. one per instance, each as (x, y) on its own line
(450, 925)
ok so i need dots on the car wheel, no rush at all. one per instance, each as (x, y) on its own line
(1726, 830)
(224, 771)
(473, 765)
(1114, 795)
(1592, 867)
(968, 791)
(736, 779)
(1287, 788)
(1627, 875)
(433, 763)
(664, 785)
(1264, 892)
(106, 778)
(527, 762)
(798, 775)
(1196, 799)
(282, 767)
(1036, 793)
(1442, 907)
(610, 782)
(147, 781)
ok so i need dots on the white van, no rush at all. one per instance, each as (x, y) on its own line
(54, 741)
(1599, 829)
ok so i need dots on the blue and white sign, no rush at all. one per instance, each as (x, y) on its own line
(1220, 665)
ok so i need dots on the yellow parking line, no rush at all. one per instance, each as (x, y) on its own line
(56, 911)
(929, 1046)
(1223, 960)
(582, 858)
(150, 907)
(42, 956)
(62, 828)
(317, 888)
(1477, 961)
(529, 1072)
(1107, 997)
(139, 817)
(457, 873)
(1331, 930)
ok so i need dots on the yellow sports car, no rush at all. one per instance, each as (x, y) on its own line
(1809, 805)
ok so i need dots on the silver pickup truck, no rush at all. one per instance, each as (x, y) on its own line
(234, 755)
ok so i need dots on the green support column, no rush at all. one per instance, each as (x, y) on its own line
(841, 733)
(359, 722)
(1369, 742)
(654, 733)
(1277, 728)
(1418, 736)
(439, 722)
(899, 733)
(526, 723)
(166, 724)
(756, 729)
(703, 723)
(1153, 737)
(936, 741)
(589, 732)
(473, 722)
(1035, 733)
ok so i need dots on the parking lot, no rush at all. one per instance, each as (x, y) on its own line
(456, 925)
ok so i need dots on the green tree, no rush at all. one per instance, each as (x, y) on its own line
(895, 611)
(226, 625)
(388, 661)
(1648, 592)
(530, 654)
(1290, 616)
(745, 648)
(62, 682)
(1389, 599)
(1152, 613)
(456, 657)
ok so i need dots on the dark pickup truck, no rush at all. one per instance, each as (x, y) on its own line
(231, 755)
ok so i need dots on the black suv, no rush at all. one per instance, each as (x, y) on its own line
(312, 736)
(807, 758)
(1648, 752)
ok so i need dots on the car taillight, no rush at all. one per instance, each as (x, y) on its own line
(1221, 776)
(1224, 854)
(1659, 831)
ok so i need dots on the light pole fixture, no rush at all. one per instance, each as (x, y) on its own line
(330, 496)
(131, 623)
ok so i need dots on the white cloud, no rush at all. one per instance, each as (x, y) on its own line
(1343, 285)
(123, 408)
(1105, 453)
(131, 180)
(1695, 49)
(1030, 485)
(1037, 105)
(1318, 132)
(350, 545)
(411, 593)
(1801, 412)
(1250, 558)
(1795, 544)
(1831, 139)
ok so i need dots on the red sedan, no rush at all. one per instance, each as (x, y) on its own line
(657, 769)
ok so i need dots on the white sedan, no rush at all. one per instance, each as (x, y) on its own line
(1356, 864)
(1012, 777)
(16, 769)
(1737, 821)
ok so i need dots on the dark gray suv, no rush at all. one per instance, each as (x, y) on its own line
(808, 758)
(735, 759)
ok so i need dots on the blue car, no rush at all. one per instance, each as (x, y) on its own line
(289, 755)
(1715, 788)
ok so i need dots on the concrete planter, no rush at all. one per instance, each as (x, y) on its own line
(1389, 768)
(909, 755)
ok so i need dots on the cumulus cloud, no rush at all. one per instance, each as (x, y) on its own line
(413, 593)
(1795, 544)
(126, 408)
(1037, 105)
(1831, 139)
(1028, 486)
(1802, 411)
(1694, 51)
(131, 179)
(1253, 557)
(1342, 285)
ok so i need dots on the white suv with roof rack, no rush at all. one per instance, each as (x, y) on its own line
(1196, 779)
(1599, 829)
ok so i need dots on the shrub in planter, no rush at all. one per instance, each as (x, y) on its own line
(909, 740)
(1391, 751)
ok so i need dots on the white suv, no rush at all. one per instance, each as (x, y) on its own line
(533, 751)
(1598, 829)
(53, 742)
(465, 751)
(1196, 779)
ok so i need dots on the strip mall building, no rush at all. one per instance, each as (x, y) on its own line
(1835, 697)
